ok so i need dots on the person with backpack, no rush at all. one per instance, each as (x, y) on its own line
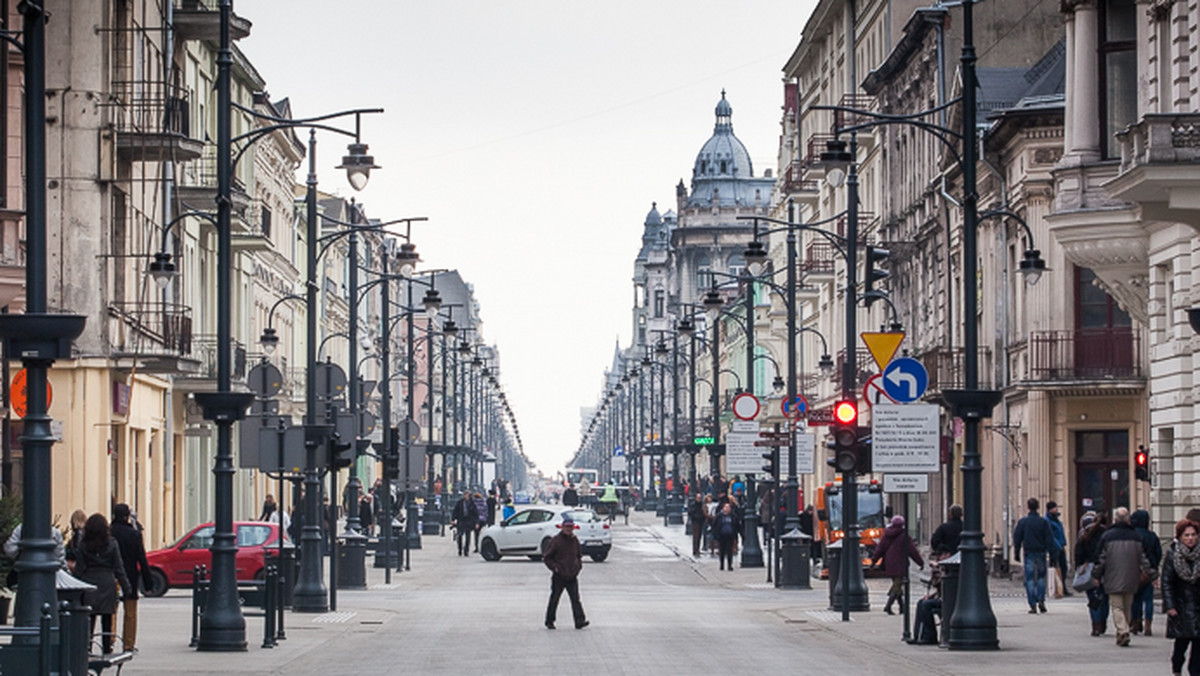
(895, 548)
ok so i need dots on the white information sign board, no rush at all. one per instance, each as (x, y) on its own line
(741, 455)
(905, 483)
(806, 453)
(905, 438)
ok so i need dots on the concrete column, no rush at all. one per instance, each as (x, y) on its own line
(1083, 82)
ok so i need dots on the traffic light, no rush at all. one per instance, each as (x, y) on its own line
(772, 458)
(872, 274)
(862, 463)
(1141, 462)
(845, 436)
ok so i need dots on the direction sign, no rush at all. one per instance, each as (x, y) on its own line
(820, 416)
(905, 483)
(905, 438)
(794, 408)
(905, 379)
(745, 407)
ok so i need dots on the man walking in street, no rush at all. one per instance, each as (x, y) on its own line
(1060, 539)
(570, 497)
(465, 518)
(1033, 533)
(564, 558)
(1123, 569)
(137, 568)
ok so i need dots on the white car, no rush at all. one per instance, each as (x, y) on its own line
(528, 532)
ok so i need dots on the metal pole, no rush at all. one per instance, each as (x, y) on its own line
(752, 556)
(674, 514)
(310, 593)
(389, 449)
(353, 484)
(851, 581)
(973, 624)
(410, 511)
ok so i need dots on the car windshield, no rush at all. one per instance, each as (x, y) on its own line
(870, 510)
(582, 515)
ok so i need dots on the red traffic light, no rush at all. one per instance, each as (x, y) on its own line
(1140, 459)
(845, 412)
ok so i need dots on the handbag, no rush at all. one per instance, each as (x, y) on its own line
(1083, 580)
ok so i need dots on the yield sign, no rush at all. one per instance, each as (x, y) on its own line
(882, 346)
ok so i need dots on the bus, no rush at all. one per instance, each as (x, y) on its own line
(871, 518)
(582, 478)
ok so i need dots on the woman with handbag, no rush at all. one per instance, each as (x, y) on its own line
(1087, 554)
(1181, 595)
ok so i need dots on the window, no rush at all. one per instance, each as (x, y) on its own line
(703, 278)
(251, 536)
(1118, 70)
(659, 303)
(1096, 309)
(265, 222)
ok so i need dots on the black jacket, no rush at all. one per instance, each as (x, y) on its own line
(105, 570)
(1033, 533)
(465, 513)
(946, 538)
(133, 555)
(1183, 597)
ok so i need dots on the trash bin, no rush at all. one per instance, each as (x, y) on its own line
(431, 523)
(382, 560)
(352, 561)
(949, 566)
(833, 564)
(795, 547)
(77, 629)
(289, 568)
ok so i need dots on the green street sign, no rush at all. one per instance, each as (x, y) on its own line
(703, 441)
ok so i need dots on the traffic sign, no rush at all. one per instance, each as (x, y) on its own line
(905, 379)
(906, 438)
(905, 483)
(820, 416)
(882, 346)
(20, 397)
(875, 393)
(740, 456)
(746, 407)
(794, 408)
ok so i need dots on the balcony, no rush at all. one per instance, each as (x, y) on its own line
(204, 352)
(1110, 354)
(12, 256)
(198, 190)
(865, 366)
(947, 370)
(153, 123)
(156, 336)
(842, 119)
(810, 165)
(201, 20)
(806, 191)
(1160, 167)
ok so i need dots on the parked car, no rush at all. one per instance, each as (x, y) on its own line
(173, 566)
(528, 532)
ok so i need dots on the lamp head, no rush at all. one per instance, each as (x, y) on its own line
(713, 303)
(162, 269)
(662, 348)
(778, 383)
(756, 257)
(836, 160)
(407, 259)
(269, 341)
(450, 329)
(826, 364)
(1032, 266)
(432, 302)
(685, 326)
(358, 165)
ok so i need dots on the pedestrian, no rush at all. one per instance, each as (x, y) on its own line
(78, 522)
(481, 511)
(492, 504)
(133, 556)
(1181, 595)
(1123, 568)
(726, 527)
(1087, 551)
(366, 514)
(268, 508)
(1142, 612)
(564, 558)
(696, 517)
(570, 497)
(947, 536)
(465, 517)
(509, 510)
(1033, 534)
(710, 516)
(766, 513)
(895, 548)
(98, 562)
(1060, 538)
(610, 500)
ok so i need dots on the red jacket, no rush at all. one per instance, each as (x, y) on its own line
(894, 547)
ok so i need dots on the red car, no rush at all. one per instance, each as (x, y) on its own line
(173, 566)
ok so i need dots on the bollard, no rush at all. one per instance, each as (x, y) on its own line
(352, 561)
(75, 627)
(199, 573)
(795, 547)
(949, 568)
(270, 600)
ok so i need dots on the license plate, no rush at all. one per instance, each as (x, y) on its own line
(593, 543)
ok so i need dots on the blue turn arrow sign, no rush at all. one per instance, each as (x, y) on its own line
(905, 379)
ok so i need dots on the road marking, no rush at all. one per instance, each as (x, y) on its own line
(826, 615)
(384, 586)
(334, 618)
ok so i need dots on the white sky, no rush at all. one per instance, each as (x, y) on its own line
(534, 134)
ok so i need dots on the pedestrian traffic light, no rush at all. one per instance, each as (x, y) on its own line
(845, 436)
(771, 457)
(874, 255)
(1141, 463)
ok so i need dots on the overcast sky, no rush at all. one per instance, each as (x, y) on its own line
(534, 135)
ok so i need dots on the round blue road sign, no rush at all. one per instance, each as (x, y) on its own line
(905, 379)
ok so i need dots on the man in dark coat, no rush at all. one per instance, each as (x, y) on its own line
(946, 538)
(1143, 602)
(465, 518)
(137, 568)
(1060, 538)
(1121, 569)
(1034, 535)
(570, 497)
(564, 558)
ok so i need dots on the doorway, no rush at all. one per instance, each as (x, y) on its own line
(1102, 470)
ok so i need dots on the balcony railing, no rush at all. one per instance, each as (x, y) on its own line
(151, 329)
(865, 366)
(813, 149)
(1085, 354)
(205, 348)
(1161, 138)
(794, 181)
(843, 119)
(946, 368)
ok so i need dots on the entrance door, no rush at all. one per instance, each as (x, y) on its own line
(1102, 470)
